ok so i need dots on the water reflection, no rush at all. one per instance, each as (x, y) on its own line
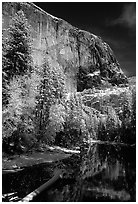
(108, 173)
(101, 173)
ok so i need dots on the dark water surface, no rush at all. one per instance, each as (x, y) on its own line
(103, 173)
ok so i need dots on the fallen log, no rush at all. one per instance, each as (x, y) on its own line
(32, 195)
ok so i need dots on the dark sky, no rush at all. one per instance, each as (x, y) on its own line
(115, 22)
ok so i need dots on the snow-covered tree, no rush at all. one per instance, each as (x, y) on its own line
(17, 48)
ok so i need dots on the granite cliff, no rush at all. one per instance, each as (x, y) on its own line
(86, 59)
(100, 103)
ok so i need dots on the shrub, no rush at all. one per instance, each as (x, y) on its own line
(57, 117)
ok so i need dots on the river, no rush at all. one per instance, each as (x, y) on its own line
(104, 172)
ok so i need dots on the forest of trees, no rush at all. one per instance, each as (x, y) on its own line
(28, 91)
(35, 107)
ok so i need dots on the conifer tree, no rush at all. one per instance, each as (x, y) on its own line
(52, 89)
(5, 63)
(17, 51)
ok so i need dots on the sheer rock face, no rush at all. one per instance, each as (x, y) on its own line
(84, 57)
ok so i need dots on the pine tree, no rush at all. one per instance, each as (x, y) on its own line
(5, 64)
(17, 55)
(52, 89)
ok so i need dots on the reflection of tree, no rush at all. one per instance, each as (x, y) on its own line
(90, 166)
(91, 163)
(114, 163)
(101, 172)
(102, 164)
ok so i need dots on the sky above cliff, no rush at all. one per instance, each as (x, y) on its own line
(115, 23)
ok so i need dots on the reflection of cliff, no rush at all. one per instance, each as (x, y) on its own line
(67, 47)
